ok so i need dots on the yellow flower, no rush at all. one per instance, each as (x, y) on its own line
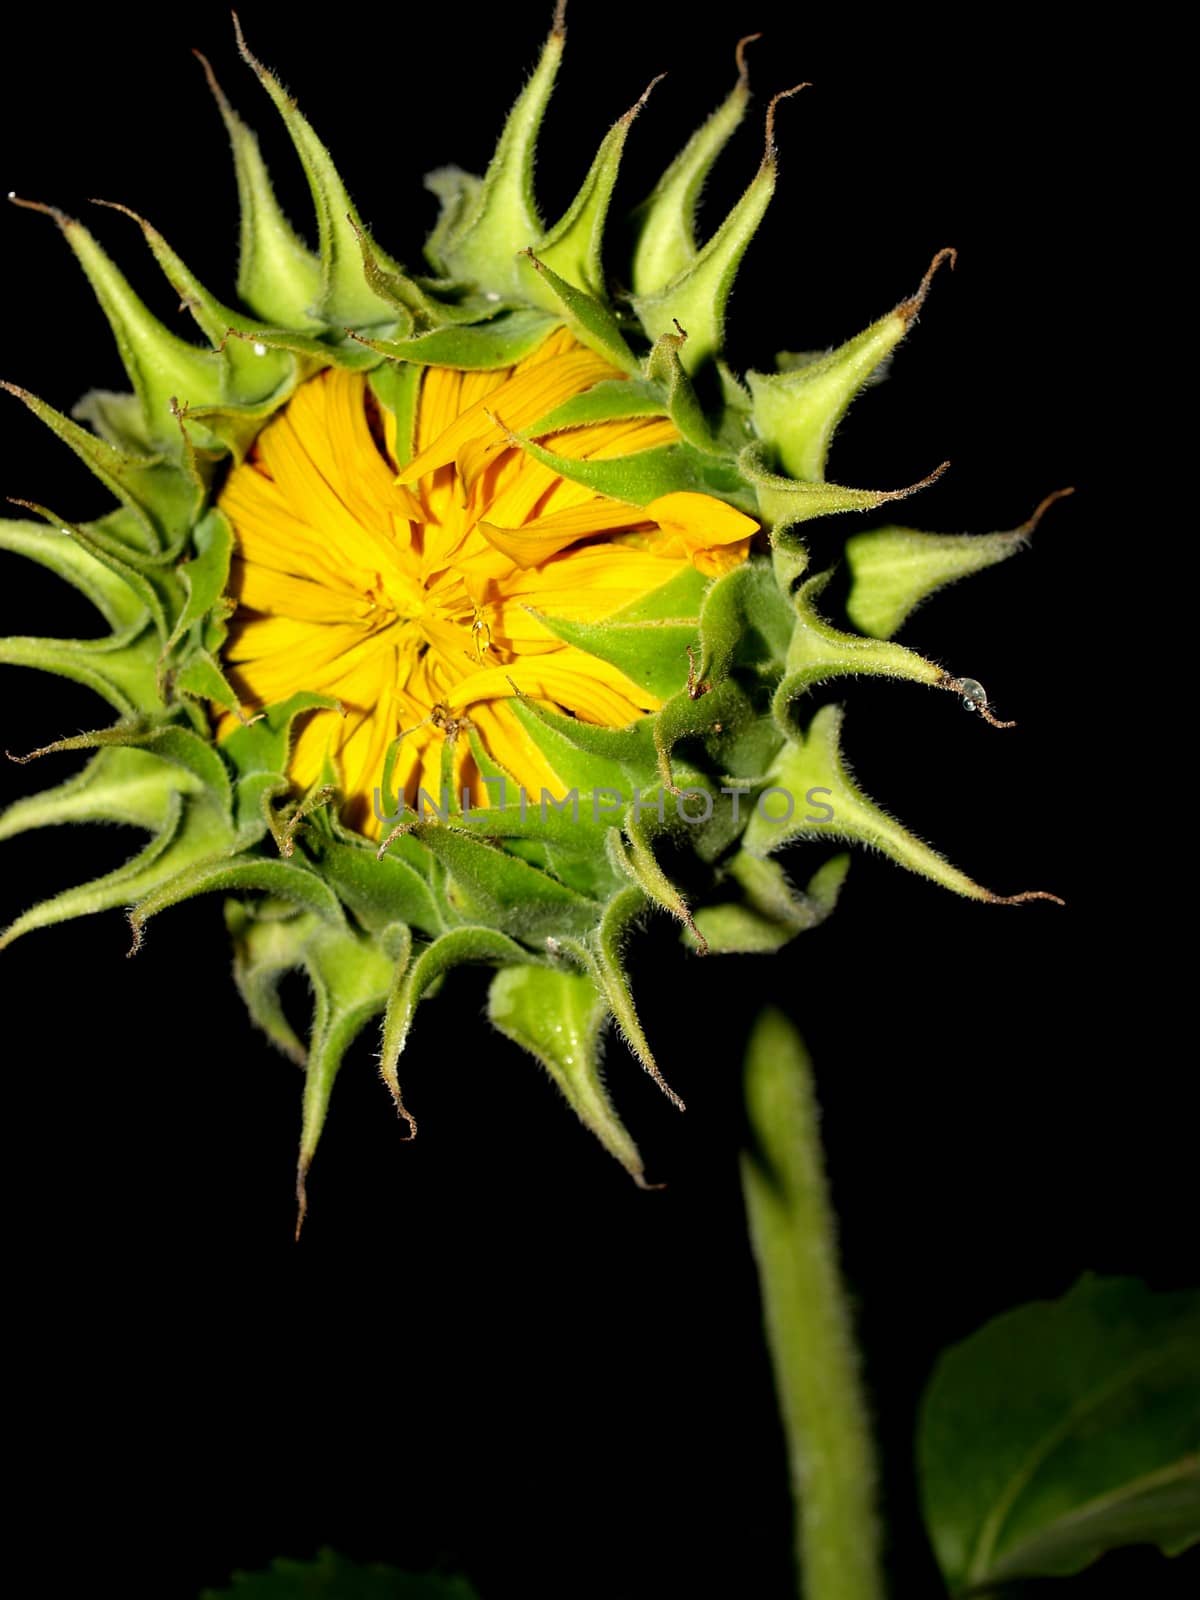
(415, 598)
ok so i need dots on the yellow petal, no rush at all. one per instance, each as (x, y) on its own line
(714, 535)
(543, 537)
(519, 401)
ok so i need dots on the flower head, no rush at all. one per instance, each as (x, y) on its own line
(392, 530)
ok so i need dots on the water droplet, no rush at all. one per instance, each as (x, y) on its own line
(260, 349)
(492, 296)
(973, 694)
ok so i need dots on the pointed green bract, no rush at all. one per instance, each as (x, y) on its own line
(573, 248)
(817, 652)
(346, 298)
(122, 669)
(413, 978)
(786, 502)
(652, 654)
(666, 221)
(768, 912)
(547, 889)
(55, 549)
(493, 221)
(639, 478)
(894, 569)
(664, 366)
(252, 375)
(558, 1017)
(278, 276)
(810, 794)
(163, 503)
(131, 786)
(694, 300)
(350, 976)
(510, 338)
(600, 955)
(588, 318)
(191, 831)
(267, 943)
(795, 412)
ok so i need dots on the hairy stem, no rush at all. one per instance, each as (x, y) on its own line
(793, 1234)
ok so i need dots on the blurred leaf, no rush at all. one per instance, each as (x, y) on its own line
(331, 1577)
(1062, 1430)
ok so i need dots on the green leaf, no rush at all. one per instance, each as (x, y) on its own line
(1062, 1430)
(559, 1017)
(331, 1577)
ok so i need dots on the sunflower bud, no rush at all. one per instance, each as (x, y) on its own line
(446, 619)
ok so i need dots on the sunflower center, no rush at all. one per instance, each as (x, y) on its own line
(419, 585)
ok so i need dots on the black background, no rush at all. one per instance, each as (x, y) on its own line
(489, 1350)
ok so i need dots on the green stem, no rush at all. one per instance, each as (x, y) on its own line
(813, 1353)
